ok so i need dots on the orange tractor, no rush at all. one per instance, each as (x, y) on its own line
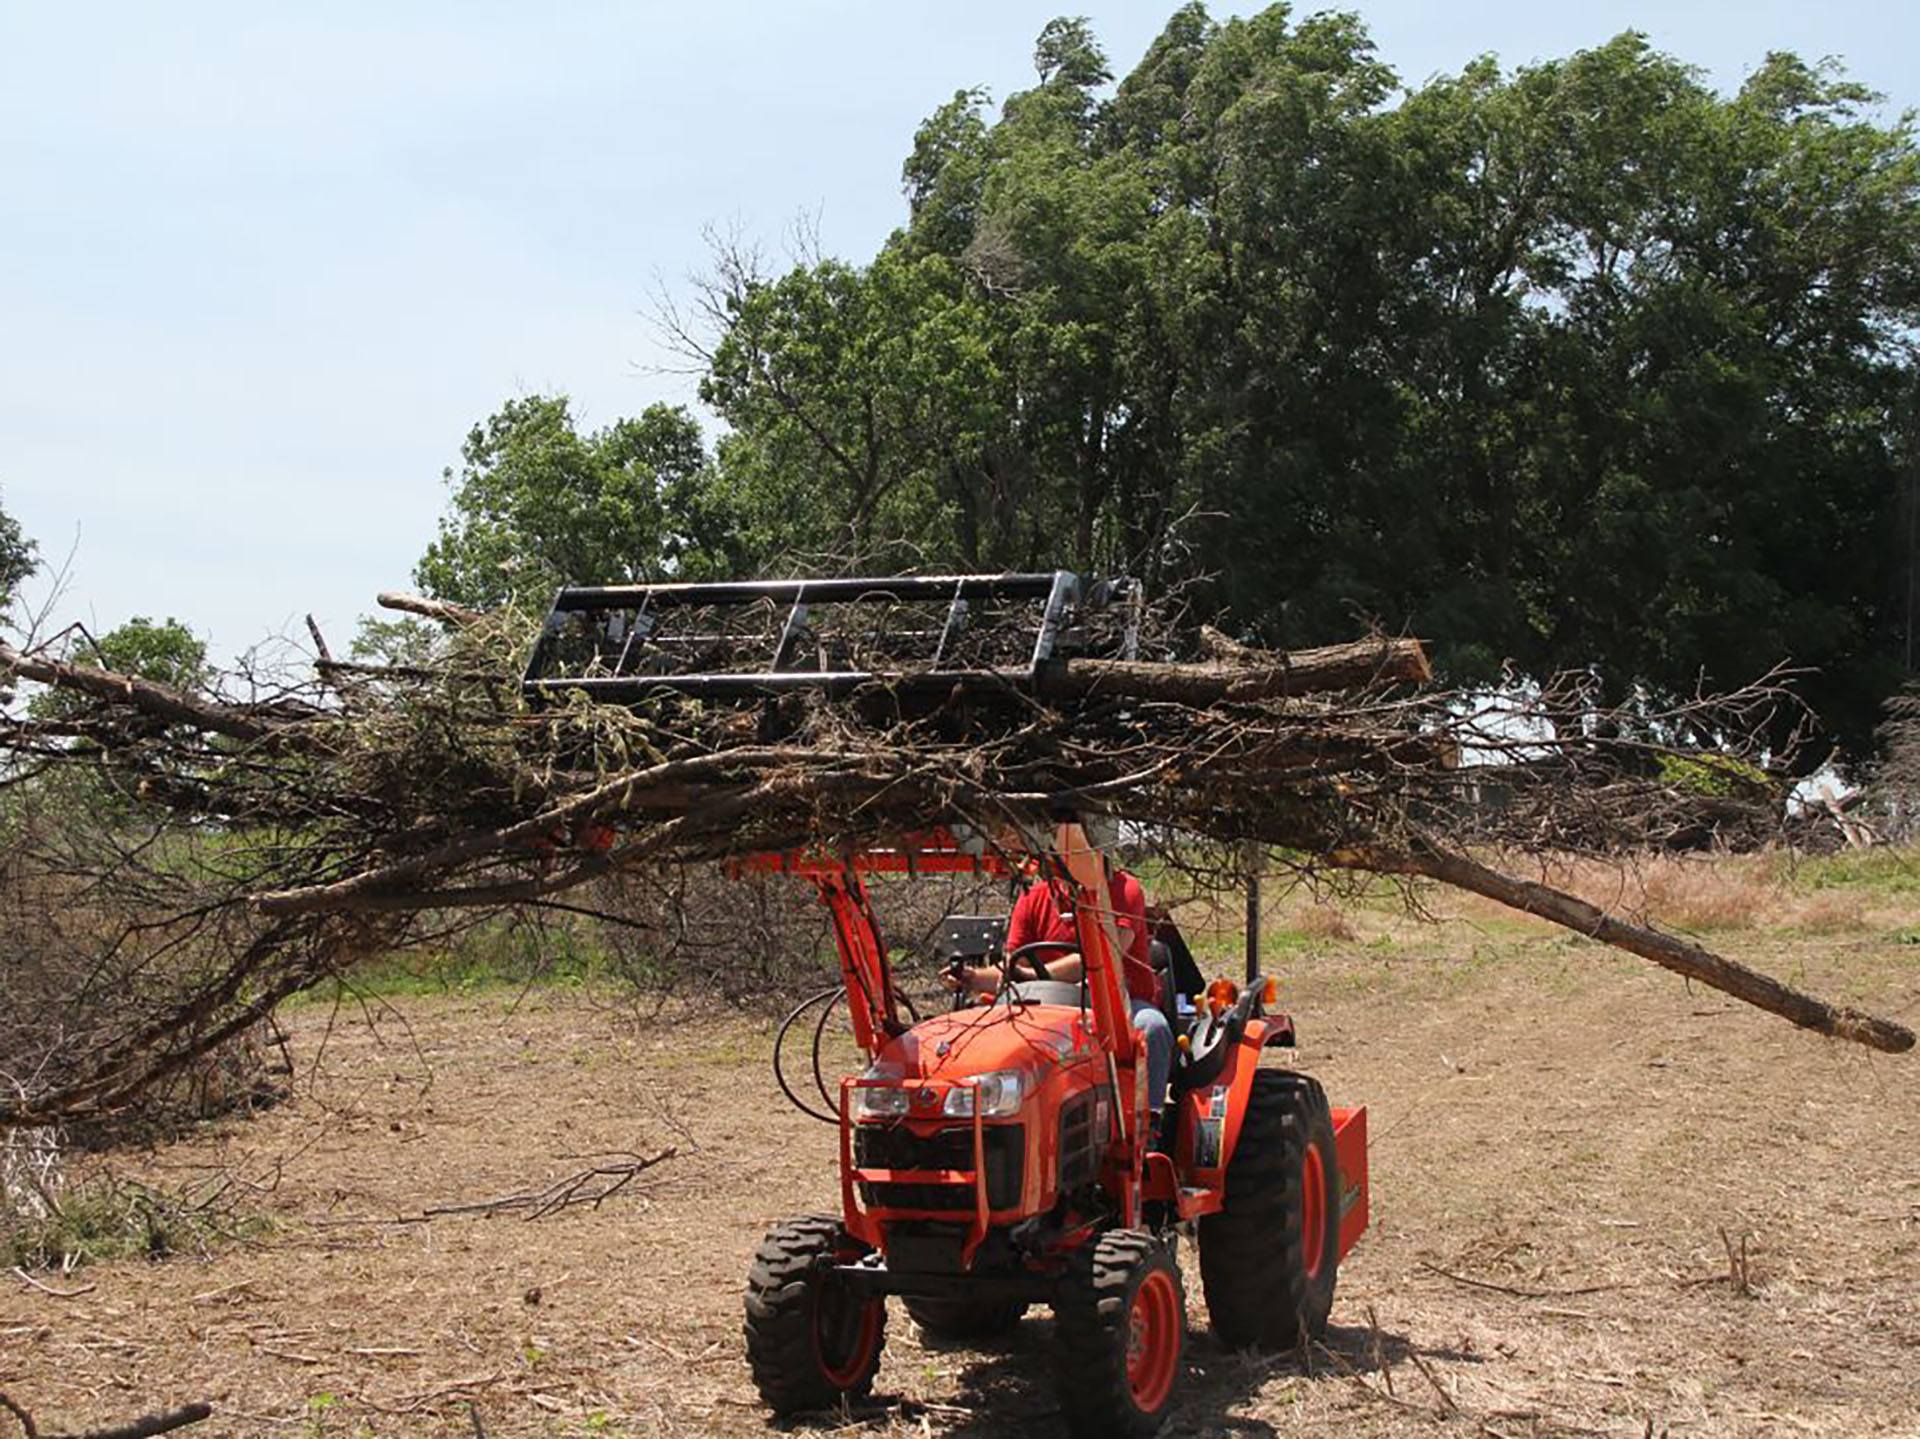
(1003, 1154)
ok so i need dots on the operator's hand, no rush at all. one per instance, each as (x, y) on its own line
(972, 979)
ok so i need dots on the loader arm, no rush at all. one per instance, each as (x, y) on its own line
(839, 879)
(864, 967)
(1100, 954)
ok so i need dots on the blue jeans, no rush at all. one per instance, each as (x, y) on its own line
(1149, 1019)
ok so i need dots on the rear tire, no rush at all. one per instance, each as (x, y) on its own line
(811, 1340)
(964, 1318)
(1269, 1258)
(1119, 1336)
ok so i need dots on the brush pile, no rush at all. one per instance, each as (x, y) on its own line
(175, 864)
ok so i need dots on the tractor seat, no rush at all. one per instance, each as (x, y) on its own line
(1200, 1060)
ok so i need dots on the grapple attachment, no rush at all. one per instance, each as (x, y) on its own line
(624, 644)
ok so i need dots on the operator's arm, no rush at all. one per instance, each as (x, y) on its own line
(1023, 927)
(1130, 917)
(1068, 969)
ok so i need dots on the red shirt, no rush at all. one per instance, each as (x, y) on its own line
(1046, 912)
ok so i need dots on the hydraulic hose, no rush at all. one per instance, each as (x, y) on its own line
(826, 999)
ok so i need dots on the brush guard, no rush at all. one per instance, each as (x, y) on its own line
(864, 1220)
(625, 644)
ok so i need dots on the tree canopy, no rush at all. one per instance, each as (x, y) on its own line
(537, 503)
(1580, 364)
(167, 653)
(16, 557)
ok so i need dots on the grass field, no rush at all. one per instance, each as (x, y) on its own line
(1566, 1144)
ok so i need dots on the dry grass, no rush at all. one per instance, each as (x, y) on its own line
(1701, 895)
(1827, 914)
(1735, 894)
(1321, 920)
(1739, 895)
(1548, 1118)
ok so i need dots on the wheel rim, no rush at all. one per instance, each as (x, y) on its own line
(845, 1330)
(1313, 1211)
(1153, 1340)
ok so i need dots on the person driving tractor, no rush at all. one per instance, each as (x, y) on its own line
(1045, 913)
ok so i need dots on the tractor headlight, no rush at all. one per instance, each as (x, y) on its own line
(886, 1100)
(1001, 1093)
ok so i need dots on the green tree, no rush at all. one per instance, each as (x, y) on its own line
(404, 642)
(166, 652)
(16, 557)
(1582, 364)
(537, 504)
(856, 400)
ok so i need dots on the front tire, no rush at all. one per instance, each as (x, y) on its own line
(1269, 1258)
(811, 1339)
(1119, 1336)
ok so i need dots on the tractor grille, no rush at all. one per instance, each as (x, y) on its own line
(877, 1147)
(1083, 1138)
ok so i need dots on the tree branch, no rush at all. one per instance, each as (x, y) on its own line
(1726, 975)
(453, 616)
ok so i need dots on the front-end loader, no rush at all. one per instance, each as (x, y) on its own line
(1003, 1154)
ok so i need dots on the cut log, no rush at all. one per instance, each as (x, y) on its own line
(1682, 957)
(453, 616)
(1223, 649)
(1251, 675)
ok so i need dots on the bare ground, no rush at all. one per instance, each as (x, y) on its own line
(1560, 1137)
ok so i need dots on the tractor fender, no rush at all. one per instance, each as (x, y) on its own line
(1349, 1127)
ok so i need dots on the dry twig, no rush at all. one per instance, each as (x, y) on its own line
(1516, 1291)
(1739, 1271)
(588, 1188)
(147, 1426)
(87, 1288)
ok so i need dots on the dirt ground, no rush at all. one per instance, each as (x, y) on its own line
(1561, 1136)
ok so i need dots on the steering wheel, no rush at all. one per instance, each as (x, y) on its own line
(962, 998)
(1016, 955)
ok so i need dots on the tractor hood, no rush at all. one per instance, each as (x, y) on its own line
(981, 1040)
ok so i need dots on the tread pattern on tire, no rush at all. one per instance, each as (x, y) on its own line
(779, 1322)
(1252, 1260)
(1092, 1321)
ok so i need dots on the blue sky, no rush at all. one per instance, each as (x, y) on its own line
(261, 266)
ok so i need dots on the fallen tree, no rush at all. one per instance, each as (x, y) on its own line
(207, 854)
